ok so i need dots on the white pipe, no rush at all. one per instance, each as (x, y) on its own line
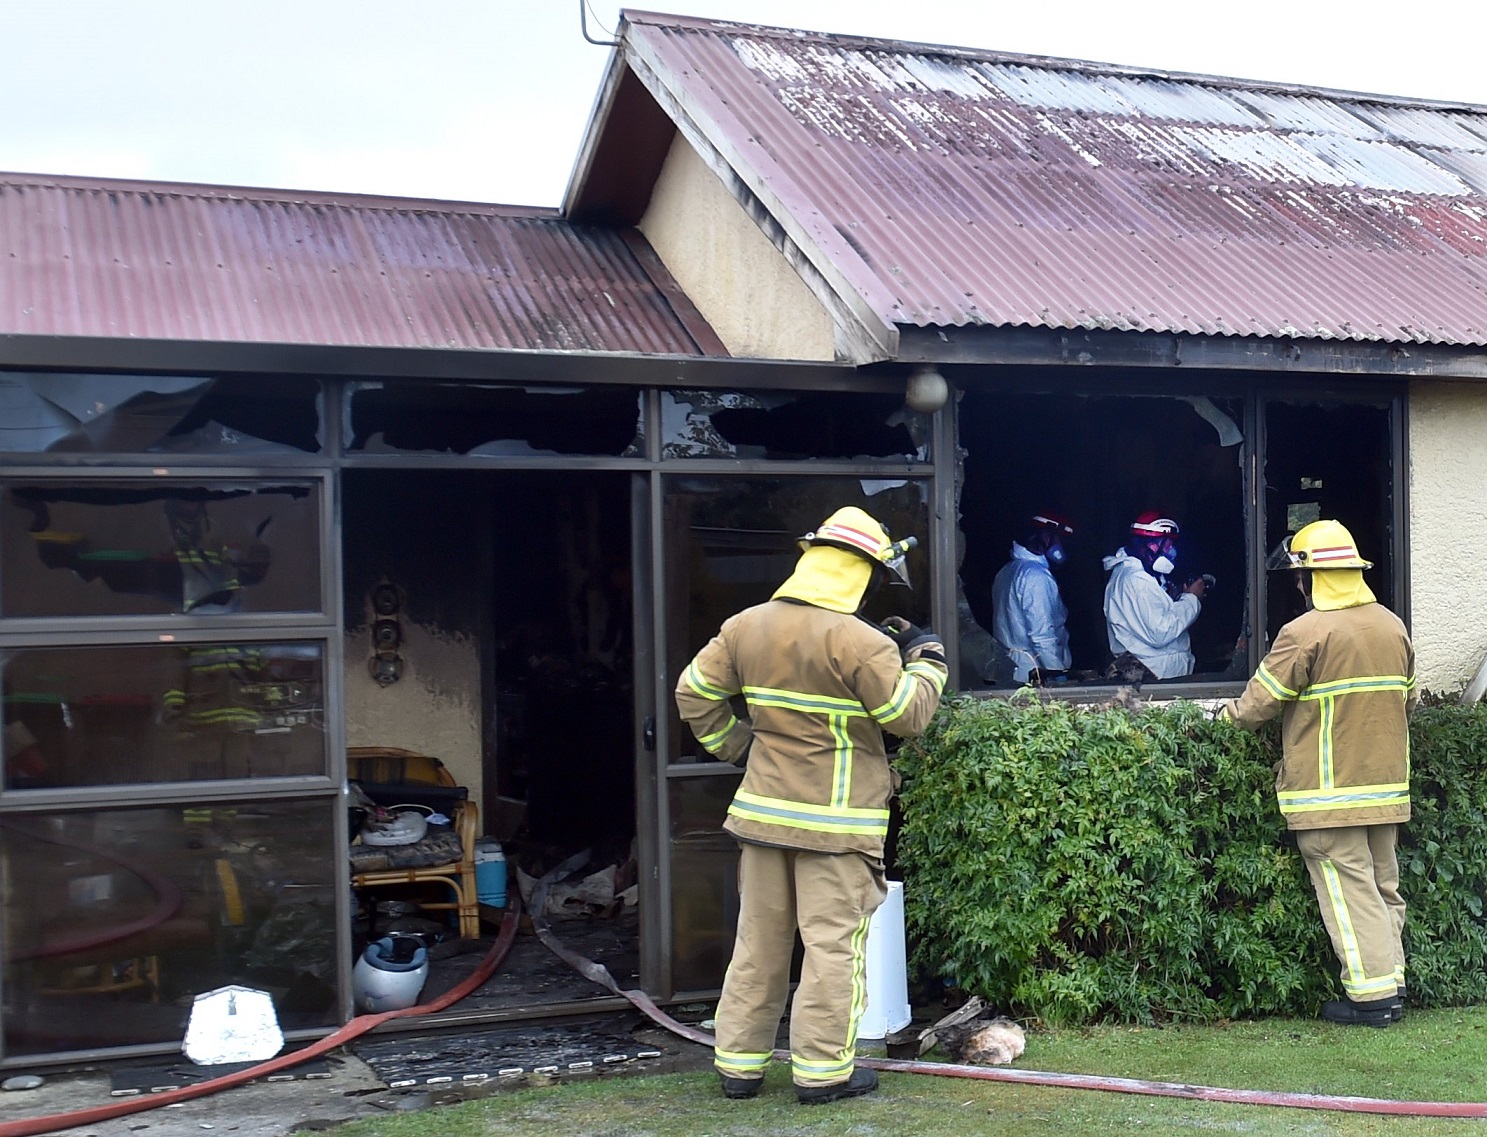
(1477, 687)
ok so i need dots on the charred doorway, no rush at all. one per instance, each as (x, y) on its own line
(512, 662)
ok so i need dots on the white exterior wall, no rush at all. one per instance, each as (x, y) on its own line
(743, 286)
(1448, 531)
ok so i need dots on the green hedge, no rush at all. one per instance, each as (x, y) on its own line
(1079, 864)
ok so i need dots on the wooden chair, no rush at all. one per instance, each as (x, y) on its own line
(380, 769)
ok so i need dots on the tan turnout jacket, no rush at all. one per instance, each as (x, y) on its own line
(1344, 681)
(821, 687)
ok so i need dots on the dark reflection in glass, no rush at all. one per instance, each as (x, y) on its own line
(493, 421)
(1329, 461)
(790, 425)
(146, 548)
(83, 716)
(116, 919)
(148, 414)
(704, 881)
(732, 541)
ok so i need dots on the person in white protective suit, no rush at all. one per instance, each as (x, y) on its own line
(1029, 614)
(1146, 614)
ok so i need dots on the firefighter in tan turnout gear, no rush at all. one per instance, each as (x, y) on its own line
(811, 813)
(1343, 677)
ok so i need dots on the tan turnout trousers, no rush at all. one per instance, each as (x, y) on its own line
(1356, 876)
(830, 897)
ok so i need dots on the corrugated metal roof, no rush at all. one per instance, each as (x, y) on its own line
(950, 186)
(91, 257)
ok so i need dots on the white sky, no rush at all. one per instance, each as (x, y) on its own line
(486, 100)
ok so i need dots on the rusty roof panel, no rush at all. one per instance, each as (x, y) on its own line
(90, 257)
(949, 186)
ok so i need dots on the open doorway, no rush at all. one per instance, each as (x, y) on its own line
(489, 624)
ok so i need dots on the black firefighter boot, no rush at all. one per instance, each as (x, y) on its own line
(1396, 1009)
(862, 1081)
(1374, 1012)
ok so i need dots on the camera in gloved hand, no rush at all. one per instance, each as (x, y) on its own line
(908, 637)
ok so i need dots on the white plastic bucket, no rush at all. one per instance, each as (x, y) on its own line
(887, 969)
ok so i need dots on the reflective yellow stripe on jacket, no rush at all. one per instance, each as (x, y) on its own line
(805, 815)
(1329, 795)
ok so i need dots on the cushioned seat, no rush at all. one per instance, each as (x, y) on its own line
(393, 776)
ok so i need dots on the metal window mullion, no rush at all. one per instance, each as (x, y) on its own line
(1256, 536)
(944, 528)
(165, 468)
(664, 925)
(105, 630)
(1399, 546)
(118, 795)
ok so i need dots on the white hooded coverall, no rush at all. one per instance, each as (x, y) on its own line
(1142, 619)
(1029, 616)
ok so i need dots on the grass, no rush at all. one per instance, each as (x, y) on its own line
(1433, 1055)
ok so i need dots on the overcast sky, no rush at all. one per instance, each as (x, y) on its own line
(486, 100)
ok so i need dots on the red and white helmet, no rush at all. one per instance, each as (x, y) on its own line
(1153, 524)
(1055, 521)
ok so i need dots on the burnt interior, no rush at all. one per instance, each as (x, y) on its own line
(535, 567)
(1330, 461)
(1101, 461)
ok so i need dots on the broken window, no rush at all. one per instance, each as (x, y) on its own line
(732, 541)
(122, 916)
(120, 548)
(1101, 462)
(92, 716)
(493, 421)
(1333, 461)
(158, 414)
(791, 425)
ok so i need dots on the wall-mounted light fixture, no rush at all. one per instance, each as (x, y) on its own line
(386, 664)
(926, 391)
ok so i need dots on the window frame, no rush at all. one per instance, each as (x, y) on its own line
(1256, 392)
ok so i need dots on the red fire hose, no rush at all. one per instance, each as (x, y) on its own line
(598, 973)
(358, 1026)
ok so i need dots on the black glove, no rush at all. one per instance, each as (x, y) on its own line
(906, 635)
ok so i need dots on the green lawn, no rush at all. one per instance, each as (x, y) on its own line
(1433, 1055)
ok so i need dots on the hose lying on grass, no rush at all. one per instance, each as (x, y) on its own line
(598, 973)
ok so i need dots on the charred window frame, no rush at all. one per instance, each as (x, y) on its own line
(278, 668)
(1354, 469)
(183, 419)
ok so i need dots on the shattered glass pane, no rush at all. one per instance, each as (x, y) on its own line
(730, 542)
(153, 547)
(146, 414)
(784, 425)
(493, 421)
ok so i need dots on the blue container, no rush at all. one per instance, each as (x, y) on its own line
(490, 873)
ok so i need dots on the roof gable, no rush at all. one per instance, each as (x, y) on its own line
(941, 187)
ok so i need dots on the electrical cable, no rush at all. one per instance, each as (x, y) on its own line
(33, 1126)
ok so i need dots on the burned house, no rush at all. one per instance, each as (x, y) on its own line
(287, 475)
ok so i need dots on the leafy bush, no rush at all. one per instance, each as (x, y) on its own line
(1076, 864)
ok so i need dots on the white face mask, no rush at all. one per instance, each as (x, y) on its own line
(1162, 565)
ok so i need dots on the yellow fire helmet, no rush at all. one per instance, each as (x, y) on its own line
(858, 532)
(1323, 545)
